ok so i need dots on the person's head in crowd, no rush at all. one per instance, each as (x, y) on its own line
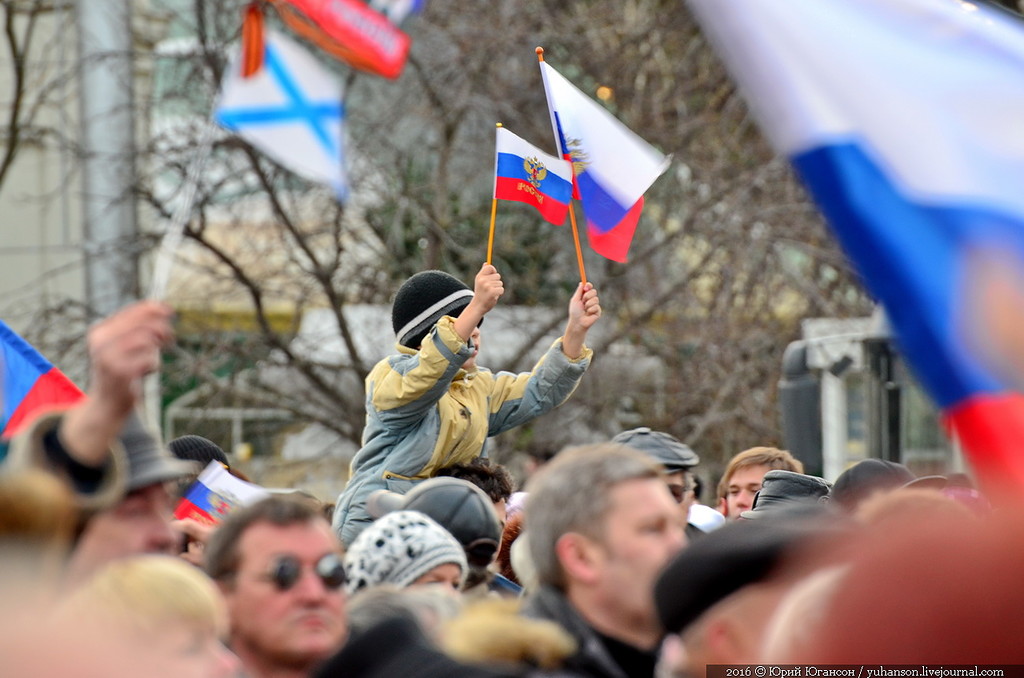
(743, 475)
(200, 450)
(941, 589)
(279, 565)
(461, 508)
(405, 548)
(866, 478)
(513, 529)
(163, 608)
(784, 494)
(141, 521)
(493, 479)
(675, 457)
(428, 606)
(37, 519)
(601, 524)
(719, 593)
(909, 503)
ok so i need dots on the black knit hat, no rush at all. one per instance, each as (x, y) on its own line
(422, 300)
(197, 448)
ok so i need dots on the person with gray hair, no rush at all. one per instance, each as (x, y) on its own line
(601, 523)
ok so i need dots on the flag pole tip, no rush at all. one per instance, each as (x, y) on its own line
(497, 124)
(540, 53)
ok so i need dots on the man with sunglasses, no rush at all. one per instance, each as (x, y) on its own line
(278, 564)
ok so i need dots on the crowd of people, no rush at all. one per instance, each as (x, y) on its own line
(432, 562)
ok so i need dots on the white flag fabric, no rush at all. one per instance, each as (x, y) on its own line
(613, 166)
(291, 109)
(905, 119)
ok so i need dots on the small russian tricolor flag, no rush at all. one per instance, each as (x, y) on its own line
(215, 494)
(30, 383)
(524, 173)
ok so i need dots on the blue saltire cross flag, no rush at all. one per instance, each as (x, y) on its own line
(291, 109)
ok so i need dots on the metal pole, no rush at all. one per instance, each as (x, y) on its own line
(108, 152)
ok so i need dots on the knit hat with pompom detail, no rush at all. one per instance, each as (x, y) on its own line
(398, 549)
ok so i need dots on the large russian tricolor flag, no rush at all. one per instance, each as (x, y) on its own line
(613, 167)
(524, 173)
(905, 119)
(30, 383)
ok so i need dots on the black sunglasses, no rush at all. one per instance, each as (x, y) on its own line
(287, 569)
(679, 491)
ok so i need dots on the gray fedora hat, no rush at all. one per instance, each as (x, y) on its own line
(148, 462)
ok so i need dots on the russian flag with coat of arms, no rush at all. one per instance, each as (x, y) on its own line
(612, 166)
(905, 119)
(526, 174)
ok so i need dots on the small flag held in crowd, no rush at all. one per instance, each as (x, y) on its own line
(914, 188)
(291, 109)
(613, 167)
(30, 382)
(215, 494)
(526, 174)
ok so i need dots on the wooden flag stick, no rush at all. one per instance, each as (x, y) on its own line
(572, 212)
(494, 210)
(576, 239)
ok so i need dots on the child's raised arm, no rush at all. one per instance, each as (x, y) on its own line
(487, 288)
(584, 310)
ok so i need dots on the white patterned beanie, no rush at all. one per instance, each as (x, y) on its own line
(398, 549)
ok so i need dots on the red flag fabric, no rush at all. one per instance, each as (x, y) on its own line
(350, 31)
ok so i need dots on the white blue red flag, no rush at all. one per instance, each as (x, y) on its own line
(524, 173)
(31, 383)
(291, 109)
(613, 167)
(215, 494)
(905, 118)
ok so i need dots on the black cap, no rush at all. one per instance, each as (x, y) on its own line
(458, 505)
(720, 563)
(665, 449)
(422, 300)
(856, 483)
(148, 462)
(197, 448)
(786, 490)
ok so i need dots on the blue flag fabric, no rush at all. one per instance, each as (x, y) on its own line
(905, 119)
